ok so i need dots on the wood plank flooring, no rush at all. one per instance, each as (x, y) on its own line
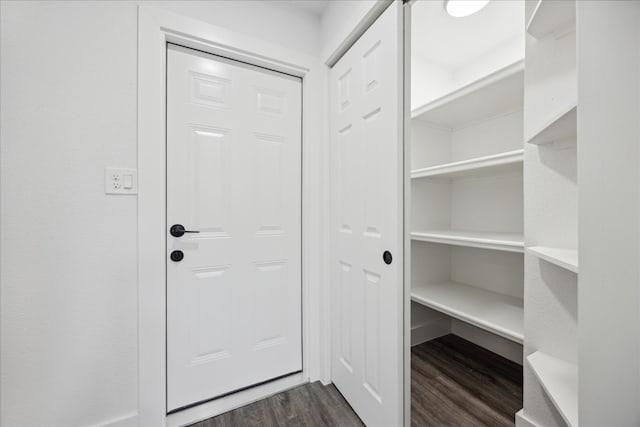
(454, 383)
(457, 383)
(308, 405)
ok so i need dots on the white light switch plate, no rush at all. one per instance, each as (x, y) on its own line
(120, 181)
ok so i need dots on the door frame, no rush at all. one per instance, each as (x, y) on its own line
(406, 45)
(156, 28)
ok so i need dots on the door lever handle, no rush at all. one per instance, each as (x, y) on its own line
(178, 230)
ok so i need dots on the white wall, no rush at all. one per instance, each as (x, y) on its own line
(68, 267)
(438, 67)
(429, 81)
(511, 51)
(270, 20)
(608, 156)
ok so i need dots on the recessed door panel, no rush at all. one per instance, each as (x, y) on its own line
(268, 162)
(210, 188)
(211, 307)
(345, 285)
(269, 288)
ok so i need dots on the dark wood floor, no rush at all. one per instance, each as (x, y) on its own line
(454, 383)
(457, 383)
(308, 405)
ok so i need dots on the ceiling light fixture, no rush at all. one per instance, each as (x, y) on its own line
(460, 8)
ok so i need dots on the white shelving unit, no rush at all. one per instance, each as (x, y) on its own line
(551, 185)
(550, 16)
(467, 161)
(486, 164)
(565, 258)
(509, 242)
(563, 126)
(559, 379)
(491, 311)
(497, 93)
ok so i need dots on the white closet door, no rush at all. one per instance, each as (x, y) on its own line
(234, 175)
(366, 189)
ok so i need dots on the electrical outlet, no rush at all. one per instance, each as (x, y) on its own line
(120, 181)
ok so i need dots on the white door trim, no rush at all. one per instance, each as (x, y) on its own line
(157, 27)
(406, 44)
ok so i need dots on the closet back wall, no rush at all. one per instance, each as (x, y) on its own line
(69, 253)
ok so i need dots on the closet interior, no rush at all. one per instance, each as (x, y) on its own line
(467, 209)
(467, 152)
(485, 265)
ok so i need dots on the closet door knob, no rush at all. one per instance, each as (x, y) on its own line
(177, 256)
(387, 257)
(177, 230)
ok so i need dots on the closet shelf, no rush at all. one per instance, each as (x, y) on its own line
(510, 242)
(497, 313)
(493, 163)
(559, 379)
(497, 93)
(565, 258)
(562, 126)
(550, 16)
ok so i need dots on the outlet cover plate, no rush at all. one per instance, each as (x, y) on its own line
(120, 181)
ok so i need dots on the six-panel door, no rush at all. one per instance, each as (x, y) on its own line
(234, 175)
(367, 205)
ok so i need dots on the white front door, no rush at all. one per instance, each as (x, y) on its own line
(367, 221)
(234, 176)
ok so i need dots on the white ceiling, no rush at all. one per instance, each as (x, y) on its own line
(316, 7)
(452, 42)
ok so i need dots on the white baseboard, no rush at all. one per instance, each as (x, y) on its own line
(127, 420)
(523, 421)
(430, 331)
(224, 404)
